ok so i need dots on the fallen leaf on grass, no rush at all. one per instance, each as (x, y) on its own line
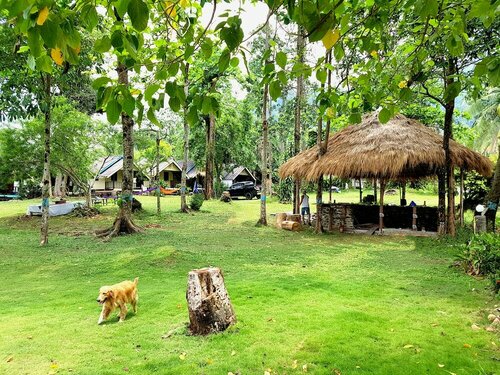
(10, 359)
(268, 371)
(182, 356)
(440, 365)
(336, 371)
(233, 353)
(467, 346)
(408, 346)
(294, 364)
(304, 368)
(210, 361)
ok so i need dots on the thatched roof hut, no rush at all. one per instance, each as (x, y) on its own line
(400, 149)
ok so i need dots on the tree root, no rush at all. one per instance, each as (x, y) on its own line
(121, 225)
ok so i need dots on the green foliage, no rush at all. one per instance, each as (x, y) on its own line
(284, 190)
(481, 255)
(196, 201)
(476, 188)
(29, 189)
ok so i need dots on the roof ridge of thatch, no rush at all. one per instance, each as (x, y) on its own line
(401, 148)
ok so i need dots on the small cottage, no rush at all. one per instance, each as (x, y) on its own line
(238, 174)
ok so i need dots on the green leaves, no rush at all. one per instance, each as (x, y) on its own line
(281, 59)
(231, 33)
(113, 110)
(275, 89)
(35, 43)
(139, 14)
(99, 82)
(102, 45)
(224, 61)
(384, 115)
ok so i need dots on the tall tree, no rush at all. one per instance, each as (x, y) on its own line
(38, 27)
(299, 98)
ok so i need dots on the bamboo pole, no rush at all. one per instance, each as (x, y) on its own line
(381, 209)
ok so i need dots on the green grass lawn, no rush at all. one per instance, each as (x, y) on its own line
(356, 304)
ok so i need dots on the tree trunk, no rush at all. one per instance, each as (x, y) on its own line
(44, 236)
(462, 197)
(322, 148)
(184, 206)
(210, 151)
(123, 223)
(448, 134)
(450, 177)
(265, 159)
(209, 306)
(210, 157)
(64, 186)
(298, 107)
(88, 197)
(57, 185)
(158, 192)
(494, 195)
(441, 201)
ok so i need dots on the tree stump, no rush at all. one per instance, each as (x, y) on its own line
(294, 217)
(291, 225)
(280, 218)
(209, 306)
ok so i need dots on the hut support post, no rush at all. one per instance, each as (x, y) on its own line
(461, 197)
(414, 219)
(360, 191)
(330, 189)
(381, 209)
(319, 205)
(375, 190)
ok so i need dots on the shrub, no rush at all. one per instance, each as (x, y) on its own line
(196, 201)
(481, 256)
(284, 190)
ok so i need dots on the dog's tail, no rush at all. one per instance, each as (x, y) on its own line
(136, 280)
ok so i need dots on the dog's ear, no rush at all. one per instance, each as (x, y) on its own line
(111, 294)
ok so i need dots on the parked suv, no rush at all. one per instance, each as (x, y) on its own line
(245, 189)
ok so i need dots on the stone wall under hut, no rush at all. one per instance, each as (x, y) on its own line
(353, 216)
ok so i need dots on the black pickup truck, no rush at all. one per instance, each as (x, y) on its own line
(245, 189)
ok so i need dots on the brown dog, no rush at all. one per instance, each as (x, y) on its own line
(118, 295)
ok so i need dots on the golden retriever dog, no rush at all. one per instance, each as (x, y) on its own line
(118, 295)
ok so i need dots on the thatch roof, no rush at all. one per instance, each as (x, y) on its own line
(402, 148)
